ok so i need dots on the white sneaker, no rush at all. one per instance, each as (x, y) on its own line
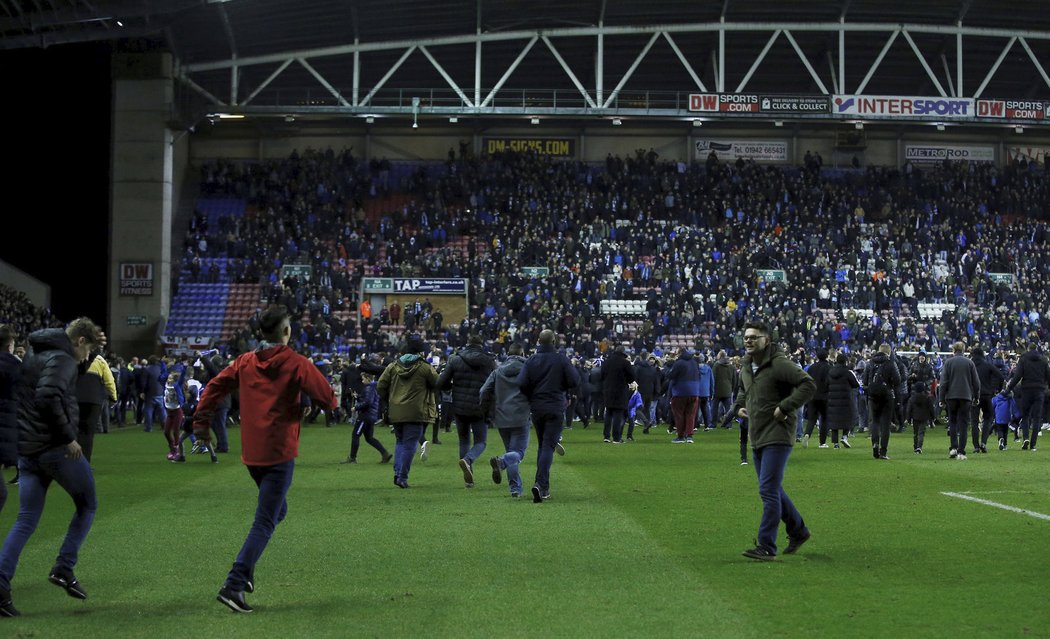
(961, 457)
(558, 448)
(845, 442)
(805, 441)
(424, 451)
(953, 453)
(822, 446)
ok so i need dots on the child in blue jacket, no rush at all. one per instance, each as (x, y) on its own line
(1005, 408)
(633, 405)
(367, 415)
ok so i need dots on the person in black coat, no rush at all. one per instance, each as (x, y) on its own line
(921, 412)
(465, 374)
(1031, 376)
(982, 417)
(841, 407)
(594, 387)
(817, 408)
(616, 375)
(139, 382)
(648, 378)
(579, 403)
(10, 374)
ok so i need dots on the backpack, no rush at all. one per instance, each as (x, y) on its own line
(878, 387)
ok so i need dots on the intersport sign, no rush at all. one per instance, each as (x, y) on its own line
(903, 107)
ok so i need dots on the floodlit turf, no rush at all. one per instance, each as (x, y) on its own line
(642, 539)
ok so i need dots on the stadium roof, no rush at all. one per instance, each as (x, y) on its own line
(303, 54)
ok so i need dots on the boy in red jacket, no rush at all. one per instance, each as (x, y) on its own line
(270, 381)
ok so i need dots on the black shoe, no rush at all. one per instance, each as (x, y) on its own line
(249, 584)
(759, 553)
(630, 439)
(497, 476)
(386, 458)
(64, 578)
(234, 600)
(794, 543)
(400, 484)
(537, 497)
(645, 431)
(7, 607)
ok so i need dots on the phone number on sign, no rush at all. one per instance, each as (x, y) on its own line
(761, 150)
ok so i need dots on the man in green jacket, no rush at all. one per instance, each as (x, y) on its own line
(408, 389)
(774, 389)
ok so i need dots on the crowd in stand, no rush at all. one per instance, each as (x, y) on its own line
(22, 316)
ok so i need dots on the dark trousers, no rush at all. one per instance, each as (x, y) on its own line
(743, 440)
(366, 430)
(881, 414)
(87, 426)
(722, 407)
(703, 412)
(958, 416)
(548, 432)
(918, 428)
(614, 420)
(770, 464)
(1031, 405)
(981, 418)
(273, 482)
(817, 409)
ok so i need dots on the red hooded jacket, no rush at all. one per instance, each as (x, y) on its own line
(270, 382)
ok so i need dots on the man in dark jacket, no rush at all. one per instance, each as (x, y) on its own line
(545, 379)
(48, 452)
(465, 373)
(1031, 374)
(818, 406)
(958, 389)
(774, 388)
(684, 380)
(648, 378)
(617, 375)
(139, 382)
(881, 380)
(10, 374)
(983, 417)
(725, 382)
(153, 393)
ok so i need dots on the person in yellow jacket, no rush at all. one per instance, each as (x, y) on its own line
(95, 385)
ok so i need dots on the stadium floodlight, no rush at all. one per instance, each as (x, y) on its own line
(940, 126)
(453, 120)
(778, 123)
(617, 121)
(1018, 129)
(858, 125)
(698, 122)
(535, 120)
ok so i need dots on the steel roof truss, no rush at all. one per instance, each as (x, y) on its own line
(448, 78)
(1035, 61)
(568, 71)
(758, 61)
(267, 81)
(805, 61)
(392, 71)
(878, 61)
(925, 65)
(630, 71)
(514, 65)
(685, 63)
(324, 83)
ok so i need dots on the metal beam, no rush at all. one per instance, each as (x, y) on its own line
(618, 30)
(758, 61)
(805, 61)
(510, 70)
(266, 82)
(948, 76)
(393, 69)
(1035, 61)
(448, 78)
(630, 71)
(355, 94)
(831, 68)
(199, 89)
(842, 50)
(477, 61)
(685, 63)
(878, 61)
(959, 63)
(230, 40)
(722, 51)
(995, 67)
(324, 83)
(599, 65)
(925, 64)
(568, 71)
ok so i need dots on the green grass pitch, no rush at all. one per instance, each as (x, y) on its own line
(637, 540)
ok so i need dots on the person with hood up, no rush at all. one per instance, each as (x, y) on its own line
(48, 452)
(408, 389)
(881, 379)
(684, 383)
(464, 375)
(773, 389)
(725, 383)
(648, 378)
(510, 408)
(271, 381)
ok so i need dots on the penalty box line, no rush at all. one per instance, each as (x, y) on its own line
(995, 504)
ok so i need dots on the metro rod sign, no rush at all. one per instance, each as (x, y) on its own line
(136, 278)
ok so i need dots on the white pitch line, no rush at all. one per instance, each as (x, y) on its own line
(996, 504)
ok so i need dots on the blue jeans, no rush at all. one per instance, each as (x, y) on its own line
(407, 436)
(548, 432)
(151, 406)
(218, 426)
(273, 482)
(465, 427)
(770, 463)
(516, 441)
(35, 477)
(722, 406)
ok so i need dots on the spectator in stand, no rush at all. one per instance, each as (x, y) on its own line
(684, 382)
(958, 389)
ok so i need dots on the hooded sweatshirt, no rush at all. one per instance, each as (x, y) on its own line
(501, 388)
(270, 381)
(408, 387)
